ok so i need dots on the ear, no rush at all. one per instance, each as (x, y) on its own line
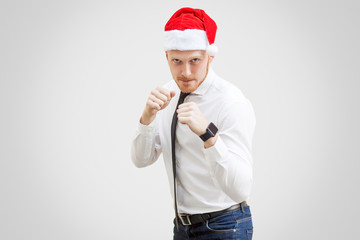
(166, 54)
(211, 58)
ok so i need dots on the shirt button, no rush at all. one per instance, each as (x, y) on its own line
(179, 203)
(212, 174)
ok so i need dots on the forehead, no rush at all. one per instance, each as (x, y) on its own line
(186, 54)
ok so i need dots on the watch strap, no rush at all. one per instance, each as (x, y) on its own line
(211, 131)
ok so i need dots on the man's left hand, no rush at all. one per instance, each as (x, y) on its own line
(190, 114)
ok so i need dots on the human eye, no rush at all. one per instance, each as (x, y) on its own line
(175, 60)
(195, 60)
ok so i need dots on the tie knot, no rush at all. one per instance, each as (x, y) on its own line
(183, 96)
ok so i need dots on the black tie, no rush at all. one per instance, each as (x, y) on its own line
(173, 137)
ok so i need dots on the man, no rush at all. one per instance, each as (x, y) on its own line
(203, 125)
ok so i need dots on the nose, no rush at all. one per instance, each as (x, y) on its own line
(186, 70)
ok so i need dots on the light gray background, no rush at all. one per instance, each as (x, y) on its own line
(74, 77)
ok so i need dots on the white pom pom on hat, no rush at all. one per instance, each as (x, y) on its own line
(190, 29)
(212, 50)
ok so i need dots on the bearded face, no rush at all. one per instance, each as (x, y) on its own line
(188, 68)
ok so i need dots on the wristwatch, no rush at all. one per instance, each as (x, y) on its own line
(211, 131)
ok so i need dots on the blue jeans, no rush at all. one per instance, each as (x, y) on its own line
(231, 225)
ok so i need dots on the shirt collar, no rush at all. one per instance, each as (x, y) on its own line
(205, 85)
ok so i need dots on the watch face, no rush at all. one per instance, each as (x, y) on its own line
(213, 129)
(210, 132)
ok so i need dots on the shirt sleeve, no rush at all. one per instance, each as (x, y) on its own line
(230, 159)
(146, 147)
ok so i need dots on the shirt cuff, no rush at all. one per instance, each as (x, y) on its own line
(216, 153)
(146, 129)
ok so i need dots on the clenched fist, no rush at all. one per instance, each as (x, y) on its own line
(190, 114)
(159, 98)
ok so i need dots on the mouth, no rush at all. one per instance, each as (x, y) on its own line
(186, 81)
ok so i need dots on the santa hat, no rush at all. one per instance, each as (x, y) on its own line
(190, 29)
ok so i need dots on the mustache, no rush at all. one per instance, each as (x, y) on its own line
(183, 78)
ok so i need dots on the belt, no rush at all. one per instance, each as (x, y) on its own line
(188, 219)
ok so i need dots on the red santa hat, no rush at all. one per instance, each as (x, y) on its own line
(190, 29)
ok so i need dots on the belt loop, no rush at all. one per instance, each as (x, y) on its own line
(202, 217)
(242, 207)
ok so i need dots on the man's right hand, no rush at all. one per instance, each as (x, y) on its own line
(159, 98)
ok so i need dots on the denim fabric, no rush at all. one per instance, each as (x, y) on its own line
(232, 225)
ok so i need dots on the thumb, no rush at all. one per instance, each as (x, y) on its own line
(172, 94)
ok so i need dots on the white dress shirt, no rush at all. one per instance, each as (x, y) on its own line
(209, 179)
